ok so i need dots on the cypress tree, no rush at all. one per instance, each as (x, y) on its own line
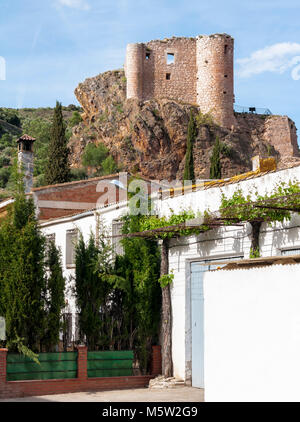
(58, 169)
(189, 159)
(22, 276)
(215, 162)
(93, 269)
(55, 296)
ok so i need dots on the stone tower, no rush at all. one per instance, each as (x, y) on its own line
(215, 77)
(25, 160)
(191, 70)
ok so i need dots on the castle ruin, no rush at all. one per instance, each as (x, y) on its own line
(191, 70)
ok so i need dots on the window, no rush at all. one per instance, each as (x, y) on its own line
(116, 238)
(168, 76)
(147, 55)
(71, 238)
(170, 58)
(289, 252)
(225, 48)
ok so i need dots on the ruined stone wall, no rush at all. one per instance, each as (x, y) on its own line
(181, 84)
(215, 93)
(201, 73)
(150, 76)
(281, 132)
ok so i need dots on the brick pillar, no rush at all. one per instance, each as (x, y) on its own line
(3, 355)
(82, 362)
(156, 366)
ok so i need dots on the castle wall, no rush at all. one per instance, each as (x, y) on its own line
(134, 70)
(182, 83)
(281, 132)
(201, 73)
(215, 93)
(150, 76)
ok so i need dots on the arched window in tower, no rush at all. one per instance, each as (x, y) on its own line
(225, 48)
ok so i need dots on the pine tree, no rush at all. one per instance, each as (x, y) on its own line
(215, 162)
(189, 158)
(58, 170)
(55, 296)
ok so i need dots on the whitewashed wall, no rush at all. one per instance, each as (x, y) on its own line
(216, 244)
(225, 242)
(252, 334)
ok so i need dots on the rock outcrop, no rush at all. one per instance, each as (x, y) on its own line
(149, 137)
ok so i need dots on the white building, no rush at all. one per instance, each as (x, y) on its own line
(218, 334)
(190, 259)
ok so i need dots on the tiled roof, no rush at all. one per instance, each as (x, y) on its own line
(76, 182)
(26, 138)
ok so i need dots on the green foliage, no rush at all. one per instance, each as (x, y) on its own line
(239, 206)
(78, 174)
(215, 163)
(139, 268)
(4, 176)
(36, 123)
(119, 305)
(58, 170)
(94, 289)
(152, 222)
(41, 131)
(75, 119)
(204, 119)
(166, 280)
(94, 155)
(226, 150)
(10, 116)
(30, 299)
(97, 157)
(22, 280)
(189, 158)
(18, 345)
(55, 299)
(254, 253)
(109, 166)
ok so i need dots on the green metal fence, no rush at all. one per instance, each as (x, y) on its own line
(110, 364)
(52, 366)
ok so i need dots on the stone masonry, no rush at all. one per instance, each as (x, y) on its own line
(190, 70)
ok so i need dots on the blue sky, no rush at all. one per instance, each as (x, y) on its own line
(51, 45)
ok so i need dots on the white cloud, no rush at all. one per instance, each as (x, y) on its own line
(75, 4)
(277, 58)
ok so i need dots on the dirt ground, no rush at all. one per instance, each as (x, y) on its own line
(178, 394)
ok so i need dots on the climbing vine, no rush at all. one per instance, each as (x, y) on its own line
(153, 222)
(240, 208)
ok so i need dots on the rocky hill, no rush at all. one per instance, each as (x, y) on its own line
(150, 137)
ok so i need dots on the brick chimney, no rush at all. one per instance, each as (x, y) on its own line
(25, 160)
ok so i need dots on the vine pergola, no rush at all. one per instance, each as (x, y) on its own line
(272, 209)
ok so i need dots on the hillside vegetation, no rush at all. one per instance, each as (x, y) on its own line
(36, 123)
